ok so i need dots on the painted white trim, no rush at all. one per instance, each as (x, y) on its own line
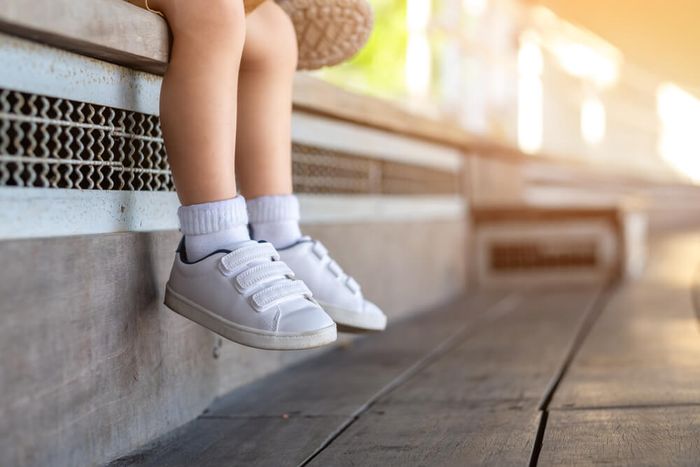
(47, 212)
(325, 209)
(36, 68)
(369, 142)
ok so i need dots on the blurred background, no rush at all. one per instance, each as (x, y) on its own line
(608, 83)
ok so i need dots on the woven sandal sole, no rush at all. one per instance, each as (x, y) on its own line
(328, 31)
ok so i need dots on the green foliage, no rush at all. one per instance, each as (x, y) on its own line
(378, 69)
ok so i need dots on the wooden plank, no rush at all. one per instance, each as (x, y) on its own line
(479, 402)
(317, 397)
(343, 379)
(443, 436)
(111, 30)
(625, 437)
(512, 359)
(645, 348)
(249, 441)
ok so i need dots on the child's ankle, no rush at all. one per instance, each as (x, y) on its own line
(213, 226)
(275, 219)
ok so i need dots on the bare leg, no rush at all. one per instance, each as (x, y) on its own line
(198, 97)
(263, 148)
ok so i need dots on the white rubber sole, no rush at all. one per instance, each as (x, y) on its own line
(328, 31)
(352, 321)
(245, 335)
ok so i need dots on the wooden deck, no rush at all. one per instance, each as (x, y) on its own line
(586, 375)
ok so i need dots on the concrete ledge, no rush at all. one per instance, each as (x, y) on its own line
(51, 212)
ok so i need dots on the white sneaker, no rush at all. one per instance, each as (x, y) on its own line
(338, 293)
(248, 296)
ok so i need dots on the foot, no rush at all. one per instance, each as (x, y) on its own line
(328, 31)
(334, 290)
(249, 296)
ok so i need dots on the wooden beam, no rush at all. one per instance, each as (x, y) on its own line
(110, 30)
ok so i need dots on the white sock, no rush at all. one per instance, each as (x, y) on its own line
(275, 219)
(209, 227)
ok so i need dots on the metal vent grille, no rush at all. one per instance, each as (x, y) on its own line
(48, 142)
(319, 170)
(57, 143)
(519, 257)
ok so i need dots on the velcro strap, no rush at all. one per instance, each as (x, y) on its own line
(335, 269)
(319, 250)
(352, 285)
(263, 272)
(244, 255)
(278, 292)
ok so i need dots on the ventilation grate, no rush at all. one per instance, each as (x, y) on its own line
(319, 170)
(48, 142)
(57, 143)
(524, 256)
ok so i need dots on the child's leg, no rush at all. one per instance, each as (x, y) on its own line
(198, 110)
(222, 280)
(263, 164)
(198, 97)
(265, 99)
(264, 167)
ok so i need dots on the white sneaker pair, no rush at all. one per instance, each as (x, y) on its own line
(257, 296)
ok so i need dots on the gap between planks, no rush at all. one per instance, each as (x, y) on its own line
(584, 329)
(501, 308)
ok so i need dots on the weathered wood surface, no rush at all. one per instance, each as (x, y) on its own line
(632, 393)
(111, 30)
(439, 435)
(645, 348)
(511, 359)
(625, 437)
(478, 403)
(317, 397)
(247, 441)
(347, 377)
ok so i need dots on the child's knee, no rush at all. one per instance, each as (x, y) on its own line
(271, 42)
(213, 17)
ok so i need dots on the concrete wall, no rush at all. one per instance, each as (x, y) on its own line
(94, 366)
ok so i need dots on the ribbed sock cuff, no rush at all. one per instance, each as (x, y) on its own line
(278, 208)
(206, 218)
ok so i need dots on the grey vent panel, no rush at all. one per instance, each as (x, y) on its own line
(48, 142)
(57, 143)
(524, 256)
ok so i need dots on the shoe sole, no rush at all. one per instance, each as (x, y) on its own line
(328, 31)
(350, 321)
(244, 335)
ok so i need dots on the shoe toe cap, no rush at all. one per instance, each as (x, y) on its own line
(376, 313)
(301, 319)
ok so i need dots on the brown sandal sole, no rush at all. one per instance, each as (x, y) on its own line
(328, 31)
